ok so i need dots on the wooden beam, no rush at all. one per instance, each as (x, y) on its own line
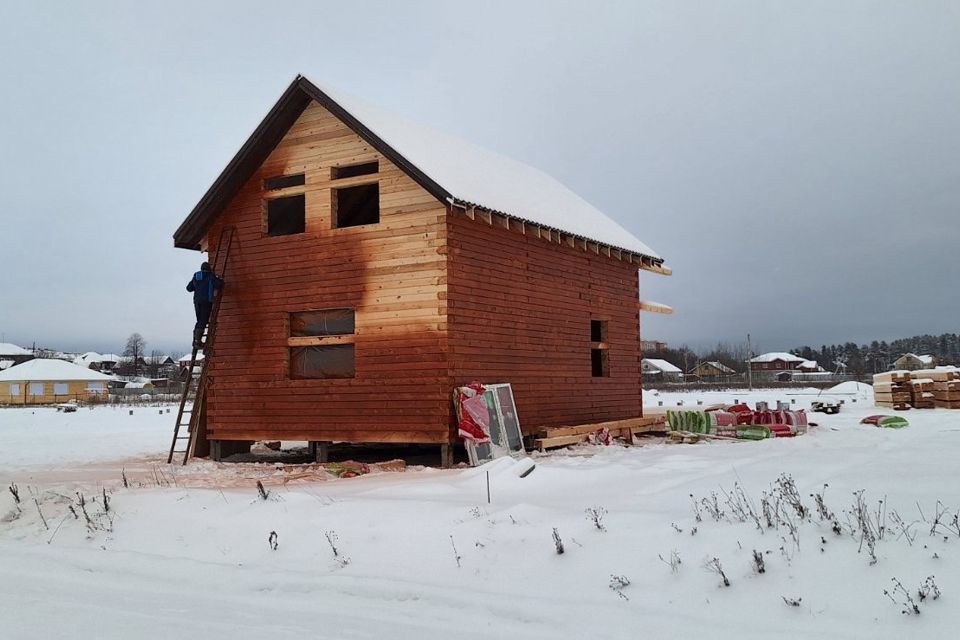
(655, 307)
(658, 269)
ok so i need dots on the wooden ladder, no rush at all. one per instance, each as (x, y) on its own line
(194, 418)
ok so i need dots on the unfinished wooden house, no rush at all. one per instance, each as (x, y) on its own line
(377, 264)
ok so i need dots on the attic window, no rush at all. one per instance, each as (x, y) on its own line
(354, 170)
(282, 182)
(599, 349)
(286, 216)
(322, 344)
(355, 206)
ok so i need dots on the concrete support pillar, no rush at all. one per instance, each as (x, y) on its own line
(446, 456)
(320, 451)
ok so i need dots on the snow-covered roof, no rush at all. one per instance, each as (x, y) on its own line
(9, 349)
(185, 360)
(43, 369)
(92, 357)
(453, 169)
(661, 365)
(778, 355)
(721, 366)
(926, 359)
(808, 364)
(4, 364)
(489, 180)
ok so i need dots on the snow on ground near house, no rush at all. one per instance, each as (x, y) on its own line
(39, 439)
(199, 559)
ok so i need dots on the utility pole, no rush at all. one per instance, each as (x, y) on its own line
(749, 364)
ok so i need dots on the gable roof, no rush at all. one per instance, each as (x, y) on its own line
(719, 366)
(9, 349)
(43, 369)
(777, 355)
(661, 365)
(454, 171)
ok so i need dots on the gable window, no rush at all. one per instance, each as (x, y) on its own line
(354, 170)
(321, 344)
(599, 349)
(286, 216)
(355, 206)
(282, 182)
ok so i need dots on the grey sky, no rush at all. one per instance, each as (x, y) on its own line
(798, 163)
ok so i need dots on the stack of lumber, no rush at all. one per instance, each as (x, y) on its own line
(553, 437)
(892, 389)
(946, 387)
(921, 393)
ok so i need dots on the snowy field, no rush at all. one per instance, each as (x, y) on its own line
(421, 554)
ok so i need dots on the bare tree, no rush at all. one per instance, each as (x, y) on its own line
(136, 347)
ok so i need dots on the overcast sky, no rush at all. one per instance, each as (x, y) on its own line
(797, 163)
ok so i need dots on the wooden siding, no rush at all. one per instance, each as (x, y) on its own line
(519, 311)
(392, 273)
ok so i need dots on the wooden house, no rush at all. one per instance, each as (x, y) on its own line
(377, 264)
(913, 362)
(712, 370)
(46, 381)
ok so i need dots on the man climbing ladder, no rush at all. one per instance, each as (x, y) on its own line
(204, 285)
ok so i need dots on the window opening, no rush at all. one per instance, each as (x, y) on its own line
(354, 170)
(599, 357)
(282, 182)
(286, 216)
(355, 206)
(321, 344)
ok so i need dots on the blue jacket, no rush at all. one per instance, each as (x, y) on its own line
(203, 284)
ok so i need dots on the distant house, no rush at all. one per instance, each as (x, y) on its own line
(777, 361)
(912, 362)
(103, 362)
(11, 354)
(45, 381)
(655, 369)
(712, 370)
(653, 346)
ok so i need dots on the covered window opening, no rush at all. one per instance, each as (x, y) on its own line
(321, 344)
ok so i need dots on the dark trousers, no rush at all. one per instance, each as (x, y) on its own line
(203, 310)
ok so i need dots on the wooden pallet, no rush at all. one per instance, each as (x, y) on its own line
(554, 437)
(892, 376)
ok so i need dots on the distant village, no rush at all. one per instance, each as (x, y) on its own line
(47, 376)
(661, 364)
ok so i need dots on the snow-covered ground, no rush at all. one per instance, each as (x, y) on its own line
(422, 554)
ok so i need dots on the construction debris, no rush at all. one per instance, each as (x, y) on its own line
(599, 432)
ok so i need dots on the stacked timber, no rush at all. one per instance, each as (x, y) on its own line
(553, 437)
(921, 393)
(946, 387)
(892, 389)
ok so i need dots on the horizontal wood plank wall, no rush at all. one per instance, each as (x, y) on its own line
(519, 311)
(393, 273)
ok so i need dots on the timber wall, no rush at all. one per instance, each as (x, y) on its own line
(392, 273)
(519, 311)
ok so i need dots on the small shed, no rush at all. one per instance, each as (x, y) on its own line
(45, 381)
